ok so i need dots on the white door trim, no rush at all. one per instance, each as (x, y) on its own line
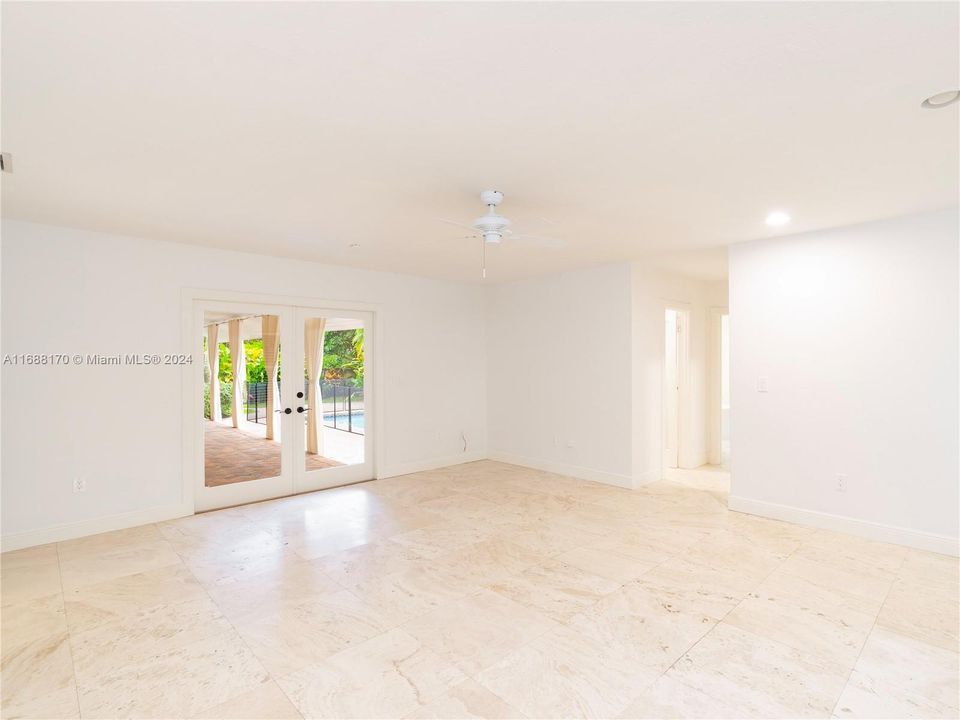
(192, 390)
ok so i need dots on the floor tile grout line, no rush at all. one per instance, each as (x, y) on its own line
(66, 620)
(866, 639)
(725, 615)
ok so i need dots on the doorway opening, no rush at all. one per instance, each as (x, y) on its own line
(285, 401)
(675, 358)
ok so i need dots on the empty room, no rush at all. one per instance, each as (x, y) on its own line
(532, 360)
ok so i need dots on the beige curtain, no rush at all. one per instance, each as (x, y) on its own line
(239, 372)
(270, 332)
(213, 356)
(313, 347)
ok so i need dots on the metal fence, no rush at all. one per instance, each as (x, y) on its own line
(342, 404)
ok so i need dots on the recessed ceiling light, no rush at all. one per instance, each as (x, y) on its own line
(777, 217)
(941, 99)
(354, 245)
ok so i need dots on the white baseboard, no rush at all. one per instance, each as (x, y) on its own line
(942, 544)
(583, 473)
(82, 528)
(645, 478)
(431, 464)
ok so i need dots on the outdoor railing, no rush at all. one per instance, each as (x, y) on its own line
(342, 404)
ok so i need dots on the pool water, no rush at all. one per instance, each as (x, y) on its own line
(342, 420)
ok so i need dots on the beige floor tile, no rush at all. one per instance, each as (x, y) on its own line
(388, 676)
(858, 590)
(565, 674)
(39, 555)
(91, 605)
(690, 587)
(439, 539)
(36, 672)
(353, 566)
(299, 635)
(60, 704)
(762, 677)
(606, 563)
(931, 569)
(896, 677)
(266, 592)
(466, 701)
(556, 589)
(640, 630)
(669, 698)
(265, 702)
(24, 622)
(652, 542)
(179, 683)
(732, 551)
(109, 542)
(489, 561)
(806, 617)
(402, 596)
(24, 580)
(562, 598)
(130, 639)
(90, 568)
(922, 612)
(852, 552)
(477, 631)
(550, 537)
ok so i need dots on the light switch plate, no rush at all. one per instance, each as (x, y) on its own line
(763, 384)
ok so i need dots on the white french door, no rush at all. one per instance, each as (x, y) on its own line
(280, 415)
(331, 439)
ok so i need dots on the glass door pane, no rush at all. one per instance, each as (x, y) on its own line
(333, 388)
(244, 458)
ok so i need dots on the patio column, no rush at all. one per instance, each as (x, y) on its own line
(213, 356)
(236, 356)
(270, 325)
(313, 347)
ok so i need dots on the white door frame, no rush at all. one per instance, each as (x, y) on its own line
(191, 300)
(684, 320)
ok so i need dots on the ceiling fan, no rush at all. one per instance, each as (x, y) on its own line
(492, 228)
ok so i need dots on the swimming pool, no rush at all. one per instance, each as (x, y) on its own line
(342, 420)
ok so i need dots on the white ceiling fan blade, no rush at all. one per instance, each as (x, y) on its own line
(538, 240)
(471, 228)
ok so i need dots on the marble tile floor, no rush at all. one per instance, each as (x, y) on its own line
(482, 590)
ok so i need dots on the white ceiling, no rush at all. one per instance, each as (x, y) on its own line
(637, 129)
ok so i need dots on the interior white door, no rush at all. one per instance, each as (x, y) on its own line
(332, 443)
(245, 456)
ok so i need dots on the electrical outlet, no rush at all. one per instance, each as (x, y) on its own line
(763, 384)
(568, 443)
(841, 482)
(79, 485)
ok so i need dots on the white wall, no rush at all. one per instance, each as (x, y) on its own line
(857, 330)
(559, 373)
(578, 358)
(653, 292)
(119, 427)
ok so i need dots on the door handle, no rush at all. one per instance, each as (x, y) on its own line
(300, 408)
(286, 411)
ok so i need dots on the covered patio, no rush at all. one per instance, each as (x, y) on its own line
(246, 444)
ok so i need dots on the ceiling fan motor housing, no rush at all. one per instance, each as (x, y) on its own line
(491, 226)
